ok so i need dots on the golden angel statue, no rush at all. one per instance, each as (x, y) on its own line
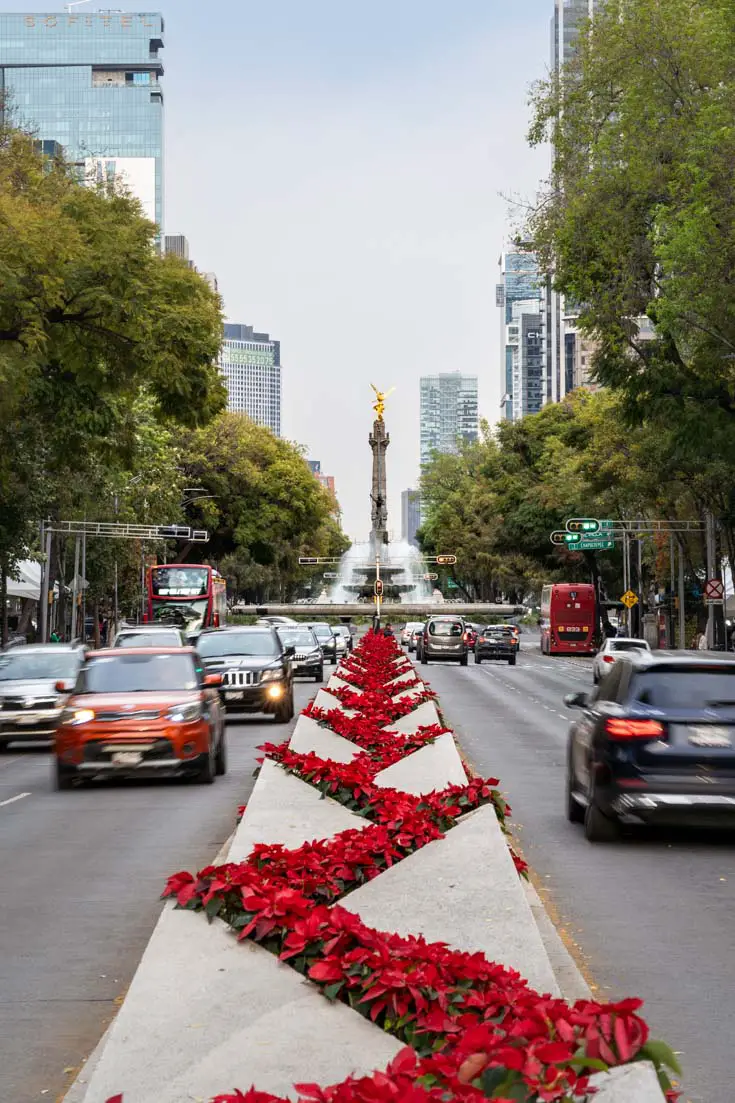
(379, 404)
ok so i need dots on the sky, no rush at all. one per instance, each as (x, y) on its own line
(344, 167)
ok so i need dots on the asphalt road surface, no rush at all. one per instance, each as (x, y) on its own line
(653, 915)
(80, 878)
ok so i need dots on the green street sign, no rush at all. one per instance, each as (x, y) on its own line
(451, 584)
(583, 524)
(595, 545)
(606, 525)
(561, 537)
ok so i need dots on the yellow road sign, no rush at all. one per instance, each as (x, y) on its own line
(629, 599)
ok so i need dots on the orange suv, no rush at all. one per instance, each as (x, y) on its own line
(144, 712)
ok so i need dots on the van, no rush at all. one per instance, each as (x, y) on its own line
(444, 639)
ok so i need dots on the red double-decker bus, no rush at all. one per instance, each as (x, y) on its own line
(186, 596)
(568, 619)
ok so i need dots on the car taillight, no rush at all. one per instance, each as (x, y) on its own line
(608, 659)
(634, 729)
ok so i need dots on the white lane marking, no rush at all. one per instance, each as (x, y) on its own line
(12, 800)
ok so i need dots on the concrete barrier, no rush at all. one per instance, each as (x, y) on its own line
(309, 736)
(284, 809)
(205, 1014)
(462, 890)
(434, 766)
(327, 701)
(423, 716)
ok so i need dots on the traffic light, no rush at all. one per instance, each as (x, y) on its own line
(446, 560)
(378, 587)
(561, 537)
(583, 524)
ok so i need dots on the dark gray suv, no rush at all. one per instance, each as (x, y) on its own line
(444, 640)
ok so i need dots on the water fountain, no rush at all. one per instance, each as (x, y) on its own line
(407, 591)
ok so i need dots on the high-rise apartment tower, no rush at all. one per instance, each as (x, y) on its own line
(250, 363)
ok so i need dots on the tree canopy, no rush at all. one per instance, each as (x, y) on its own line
(638, 218)
(262, 504)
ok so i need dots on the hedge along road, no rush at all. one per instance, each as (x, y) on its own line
(81, 875)
(653, 914)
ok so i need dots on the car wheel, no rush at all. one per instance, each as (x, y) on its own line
(63, 777)
(424, 660)
(478, 660)
(596, 679)
(207, 773)
(319, 676)
(220, 759)
(4, 746)
(463, 661)
(575, 810)
(284, 714)
(512, 661)
(599, 828)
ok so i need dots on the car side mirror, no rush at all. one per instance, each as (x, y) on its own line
(213, 679)
(576, 700)
(64, 687)
(290, 652)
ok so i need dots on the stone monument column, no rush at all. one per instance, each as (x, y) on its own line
(379, 440)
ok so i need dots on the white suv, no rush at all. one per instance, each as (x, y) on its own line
(613, 649)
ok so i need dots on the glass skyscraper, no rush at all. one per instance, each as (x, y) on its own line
(251, 367)
(449, 412)
(91, 81)
(518, 288)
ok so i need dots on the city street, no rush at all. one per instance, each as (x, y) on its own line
(652, 914)
(81, 873)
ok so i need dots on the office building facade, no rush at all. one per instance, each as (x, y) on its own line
(91, 82)
(250, 363)
(448, 412)
(560, 329)
(519, 296)
(410, 516)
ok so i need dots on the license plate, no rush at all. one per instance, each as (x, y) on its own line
(234, 695)
(127, 758)
(710, 737)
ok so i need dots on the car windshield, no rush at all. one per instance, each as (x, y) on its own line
(445, 628)
(342, 630)
(628, 645)
(300, 638)
(41, 666)
(686, 687)
(148, 639)
(213, 644)
(135, 673)
(322, 631)
(186, 615)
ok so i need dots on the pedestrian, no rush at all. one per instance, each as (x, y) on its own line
(388, 631)
(702, 645)
(54, 638)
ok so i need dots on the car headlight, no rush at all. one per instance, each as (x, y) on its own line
(271, 675)
(185, 714)
(76, 716)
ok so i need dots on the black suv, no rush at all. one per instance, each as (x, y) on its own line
(655, 743)
(495, 642)
(256, 669)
